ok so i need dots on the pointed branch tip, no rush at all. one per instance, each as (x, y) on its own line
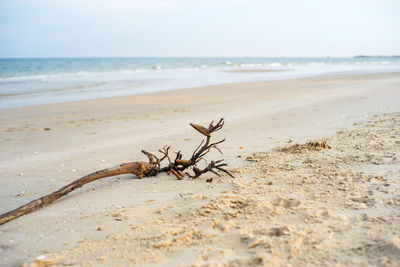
(201, 129)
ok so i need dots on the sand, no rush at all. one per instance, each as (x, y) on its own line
(285, 206)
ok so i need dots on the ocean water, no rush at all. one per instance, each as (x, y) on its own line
(25, 82)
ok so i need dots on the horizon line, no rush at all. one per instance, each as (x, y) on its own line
(127, 57)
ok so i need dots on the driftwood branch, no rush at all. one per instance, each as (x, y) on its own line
(141, 169)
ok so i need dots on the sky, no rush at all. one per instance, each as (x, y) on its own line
(199, 28)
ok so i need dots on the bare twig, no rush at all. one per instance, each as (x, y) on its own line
(141, 169)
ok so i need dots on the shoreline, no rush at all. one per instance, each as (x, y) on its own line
(237, 71)
(90, 135)
(255, 70)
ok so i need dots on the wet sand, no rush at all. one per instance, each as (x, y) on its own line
(255, 70)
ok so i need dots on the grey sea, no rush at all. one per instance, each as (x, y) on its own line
(35, 81)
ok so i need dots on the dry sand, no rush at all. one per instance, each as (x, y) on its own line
(287, 206)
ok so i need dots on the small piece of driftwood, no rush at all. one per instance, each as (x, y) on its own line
(177, 167)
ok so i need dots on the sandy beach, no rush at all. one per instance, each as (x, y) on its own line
(289, 203)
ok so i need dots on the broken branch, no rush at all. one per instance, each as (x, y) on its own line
(140, 169)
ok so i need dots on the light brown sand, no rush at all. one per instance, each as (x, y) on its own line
(45, 147)
(296, 205)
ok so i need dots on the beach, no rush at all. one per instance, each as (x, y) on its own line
(287, 205)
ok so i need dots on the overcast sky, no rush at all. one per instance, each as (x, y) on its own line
(198, 28)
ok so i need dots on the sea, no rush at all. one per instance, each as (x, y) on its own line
(35, 81)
